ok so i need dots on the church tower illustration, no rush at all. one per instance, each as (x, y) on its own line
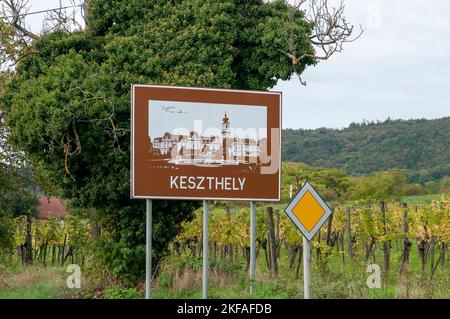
(226, 134)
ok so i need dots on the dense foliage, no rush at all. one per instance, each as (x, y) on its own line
(336, 185)
(420, 146)
(15, 200)
(68, 102)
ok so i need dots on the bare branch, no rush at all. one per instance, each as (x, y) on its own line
(14, 12)
(84, 11)
(329, 33)
(14, 35)
(330, 28)
(63, 18)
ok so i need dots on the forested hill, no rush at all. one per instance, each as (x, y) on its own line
(420, 146)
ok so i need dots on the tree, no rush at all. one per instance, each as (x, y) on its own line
(68, 103)
(15, 200)
(381, 186)
(6, 232)
(15, 196)
(6, 235)
(25, 203)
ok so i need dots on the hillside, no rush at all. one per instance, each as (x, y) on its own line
(420, 146)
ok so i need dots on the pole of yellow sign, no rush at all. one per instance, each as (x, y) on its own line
(306, 267)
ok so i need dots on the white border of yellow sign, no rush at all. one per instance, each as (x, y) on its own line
(288, 210)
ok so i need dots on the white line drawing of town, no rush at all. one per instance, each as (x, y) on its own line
(207, 134)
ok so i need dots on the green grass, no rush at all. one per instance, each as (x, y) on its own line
(332, 280)
(33, 283)
(417, 199)
(41, 290)
(228, 279)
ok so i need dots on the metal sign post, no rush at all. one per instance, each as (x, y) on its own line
(252, 245)
(205, 250)
(306, 267)
(148, 251)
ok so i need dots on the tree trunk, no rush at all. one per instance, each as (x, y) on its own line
(431, 252)
(222, 252)
(230, 246)
(443, 249)
(96, 228)
(348, 231)
(368, 249)
(292, 256)
(277, 234)
(199, 248)
(300, 255)
(69, 254)
(421, 250)
(23, 252)
(318, 252)
(386, 248)
(439, 261)
(266, 254)
(45, 254)
(53, 254)
(406, 243)
(272, 242)
(329, 227)
(247, 258)
(28, 241)
(258, 248)
(215, 250)
(63, 250)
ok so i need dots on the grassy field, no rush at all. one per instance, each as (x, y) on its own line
(334, 280)
(180, 277)
(417, 199)
(33, 283)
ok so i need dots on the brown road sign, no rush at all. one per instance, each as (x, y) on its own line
(308, 211)
(198, 143)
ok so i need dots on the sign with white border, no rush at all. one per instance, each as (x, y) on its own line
(208, 144)
(300, 210)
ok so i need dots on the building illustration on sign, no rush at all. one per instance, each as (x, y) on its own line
(221, 146)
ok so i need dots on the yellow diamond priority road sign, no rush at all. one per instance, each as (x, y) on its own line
(308, 211)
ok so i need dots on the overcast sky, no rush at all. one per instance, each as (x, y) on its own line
(399, 68)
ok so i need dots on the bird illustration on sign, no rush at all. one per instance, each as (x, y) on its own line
(172, 109)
